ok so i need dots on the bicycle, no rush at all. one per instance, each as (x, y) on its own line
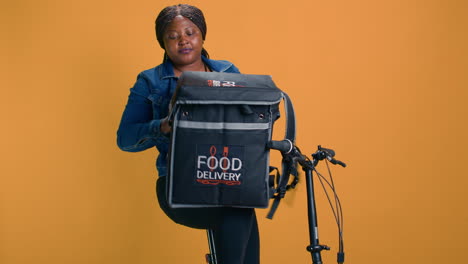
(287, 148)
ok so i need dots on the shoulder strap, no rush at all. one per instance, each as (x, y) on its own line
(289, 166)
(290, 119)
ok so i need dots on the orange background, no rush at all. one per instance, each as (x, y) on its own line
(384, 83)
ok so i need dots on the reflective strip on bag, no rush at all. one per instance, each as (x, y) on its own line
(222, 125)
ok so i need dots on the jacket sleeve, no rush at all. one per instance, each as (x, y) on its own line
(137, 130)
(233, 69)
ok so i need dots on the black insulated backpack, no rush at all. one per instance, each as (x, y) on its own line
(221, 127)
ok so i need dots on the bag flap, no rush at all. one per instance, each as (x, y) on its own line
(226, 88)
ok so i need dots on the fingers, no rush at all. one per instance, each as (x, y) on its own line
(165, 127)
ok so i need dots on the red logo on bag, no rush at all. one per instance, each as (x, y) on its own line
(216, 83)
(212, 161)
(225, 154)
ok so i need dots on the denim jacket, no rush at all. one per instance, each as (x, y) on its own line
(148, 105)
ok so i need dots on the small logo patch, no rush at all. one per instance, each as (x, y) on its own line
(217, 164)
(216, 83)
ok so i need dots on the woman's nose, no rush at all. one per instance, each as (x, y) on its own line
(183, 40)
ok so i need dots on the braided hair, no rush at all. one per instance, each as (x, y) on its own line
(166, 16)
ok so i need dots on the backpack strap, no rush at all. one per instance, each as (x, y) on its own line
(290, 119)
(289, 166)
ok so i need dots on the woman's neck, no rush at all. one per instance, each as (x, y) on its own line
(197, 66)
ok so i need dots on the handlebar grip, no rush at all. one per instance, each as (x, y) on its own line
(284, 145)
(334, 161)
(342, 164)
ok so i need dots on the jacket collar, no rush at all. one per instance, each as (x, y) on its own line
(167, 70)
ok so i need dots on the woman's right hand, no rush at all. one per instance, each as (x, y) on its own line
(165, 126)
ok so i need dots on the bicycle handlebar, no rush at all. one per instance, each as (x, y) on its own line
(287, 147)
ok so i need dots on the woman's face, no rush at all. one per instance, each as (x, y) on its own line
(183, 41)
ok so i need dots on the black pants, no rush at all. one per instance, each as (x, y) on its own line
(235, 229)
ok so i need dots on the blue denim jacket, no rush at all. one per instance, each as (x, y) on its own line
(148, 105)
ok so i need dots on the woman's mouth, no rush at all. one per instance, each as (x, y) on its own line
(185, 51)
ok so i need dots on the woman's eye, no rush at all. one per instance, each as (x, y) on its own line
(172, 36)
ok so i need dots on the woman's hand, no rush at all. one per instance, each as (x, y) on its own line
(165, 126)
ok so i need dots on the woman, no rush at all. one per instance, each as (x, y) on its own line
(181, 31)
